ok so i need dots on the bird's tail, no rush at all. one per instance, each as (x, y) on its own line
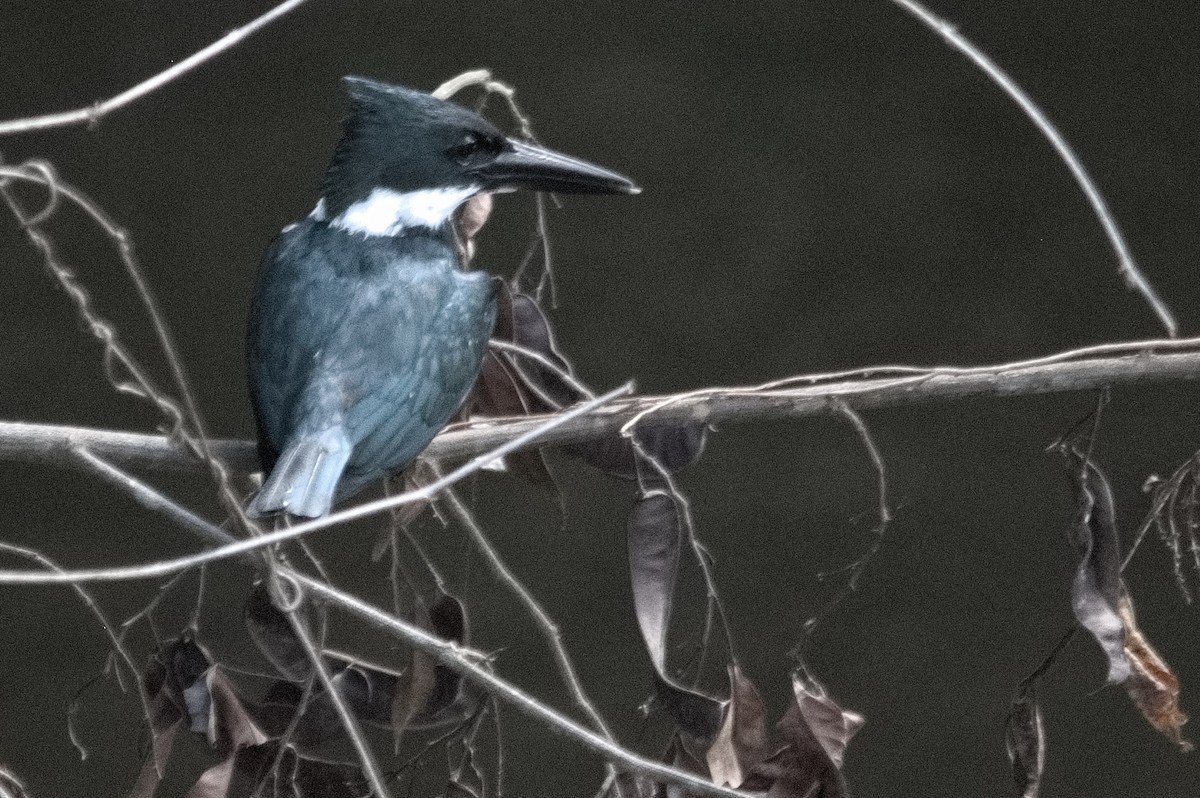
(305, 477)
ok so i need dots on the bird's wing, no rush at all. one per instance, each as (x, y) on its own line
(435, 335)
(382, 362)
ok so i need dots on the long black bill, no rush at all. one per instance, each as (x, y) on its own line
(525, 165)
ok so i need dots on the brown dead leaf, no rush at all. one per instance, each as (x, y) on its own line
(273, 634)
(230, 726)
(817, 732)
(674, 446)
(679, 757)
(655, 535)
(831, 726)
(415, 686)
(1151, 685)
(174, 669)
(742, 741)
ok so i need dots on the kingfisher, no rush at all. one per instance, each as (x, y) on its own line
(366, 332)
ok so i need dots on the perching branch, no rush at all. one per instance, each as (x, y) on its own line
(810, 395)
(263, 541)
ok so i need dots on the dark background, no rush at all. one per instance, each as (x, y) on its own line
(826, 186)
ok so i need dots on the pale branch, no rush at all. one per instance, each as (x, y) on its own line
(463, 660)
(549, 629)
(92, 114)
(290, 606)
(890, 386)
(263, 541)
(451, 655)
(1126, 265)
(11, 786)
(152, 500)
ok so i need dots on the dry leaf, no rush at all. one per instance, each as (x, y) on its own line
(742, 741)
(674, 446)
(469, 219)
(655, 536)
(1096, 588)
(1151, 685)
(1025, 739)
(831, 726)
(817, 731)
(679, 757)
(273, 634)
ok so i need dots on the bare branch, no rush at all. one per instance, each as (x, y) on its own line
(263, 541)
(451, 655)
(884, 515)
(94, 113)
(795, 397)
(549, 629)
(11, 786)
(119, 650)
(152, 500)
(139, 382)
(289, 606)
(1126, 265)
(460, 659)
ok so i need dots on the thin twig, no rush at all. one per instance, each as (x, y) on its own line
(550, 631)
(464, 662)
(94, 113)
(884, 519)
(450, 655)
(444, 737)
(115, 640)
(1163, 516)
(195, 439)
(152, 500)
(484, 79)
(1049, 660)
(557, 369)
(11, 786)
(242, 546)
(354, 732)
(1126, 265)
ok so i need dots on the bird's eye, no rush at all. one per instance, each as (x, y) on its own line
(473, 145)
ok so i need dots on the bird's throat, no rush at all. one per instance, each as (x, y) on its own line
(387, 212)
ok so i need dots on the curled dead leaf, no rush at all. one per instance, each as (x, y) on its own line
(271, 632)
(655, 536)
(742, 741)
(817, 732)
(427, 690)
(1096, 588)
(1025, 739)
(1152, 686)
(831, 726)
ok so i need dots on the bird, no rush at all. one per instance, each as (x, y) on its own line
(366, 332)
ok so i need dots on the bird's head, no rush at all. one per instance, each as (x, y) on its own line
(407, 158)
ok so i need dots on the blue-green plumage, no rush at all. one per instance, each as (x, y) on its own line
(365, 332)
(362, 348)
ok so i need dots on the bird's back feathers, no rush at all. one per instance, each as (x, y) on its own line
(360, 350)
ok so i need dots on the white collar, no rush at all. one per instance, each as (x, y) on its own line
(386, 212)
